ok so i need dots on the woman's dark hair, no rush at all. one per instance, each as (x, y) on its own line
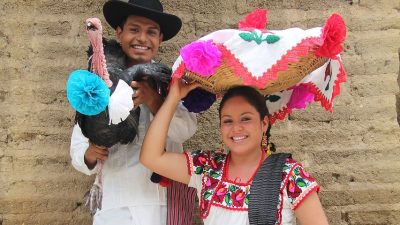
(252, 96)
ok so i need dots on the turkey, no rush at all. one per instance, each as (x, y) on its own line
(118, 122)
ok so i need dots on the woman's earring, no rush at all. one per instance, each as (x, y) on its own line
(264, 141)
(265, 145)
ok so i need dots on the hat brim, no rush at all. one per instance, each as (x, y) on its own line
(116, 11)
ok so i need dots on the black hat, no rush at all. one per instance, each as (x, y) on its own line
(116, 10)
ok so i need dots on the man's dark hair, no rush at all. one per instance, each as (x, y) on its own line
(123, 21)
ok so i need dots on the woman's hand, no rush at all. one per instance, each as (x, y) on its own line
(180, 88)
(152, 154)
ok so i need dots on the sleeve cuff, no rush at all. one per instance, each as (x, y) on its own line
(189, 163)
(315, 187)
(79, 145)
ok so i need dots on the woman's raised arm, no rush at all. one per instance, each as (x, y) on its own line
(152, 155)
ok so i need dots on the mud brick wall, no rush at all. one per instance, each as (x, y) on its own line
(353, 152)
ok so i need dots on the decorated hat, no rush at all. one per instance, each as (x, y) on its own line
(289, 67)
(115, 11)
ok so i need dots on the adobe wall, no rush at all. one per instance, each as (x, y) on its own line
(353, 152)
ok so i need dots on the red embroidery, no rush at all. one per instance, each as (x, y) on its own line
(189, 162)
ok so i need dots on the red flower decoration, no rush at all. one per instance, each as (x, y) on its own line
(293, 190)
(220, 193)
(255, 20)
(333, 34)
(204, 206)
(200, 160)
(238, 198)
(210, 182)
(216, 165)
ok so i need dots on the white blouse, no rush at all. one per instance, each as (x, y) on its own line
(223, 201)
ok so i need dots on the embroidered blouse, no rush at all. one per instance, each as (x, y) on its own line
(223, 201)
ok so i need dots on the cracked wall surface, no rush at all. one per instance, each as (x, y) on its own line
(353, 152)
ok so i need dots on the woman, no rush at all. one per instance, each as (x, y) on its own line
(223, 180)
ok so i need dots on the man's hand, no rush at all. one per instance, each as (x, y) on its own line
(144, 94)
(157, 71)
(94, 153)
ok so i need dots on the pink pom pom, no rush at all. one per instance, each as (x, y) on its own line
(300, 96)
(201, 57)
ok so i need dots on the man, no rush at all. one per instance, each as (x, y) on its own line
(129, 197)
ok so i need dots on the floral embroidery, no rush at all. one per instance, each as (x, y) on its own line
(220, 192)
(297, 183)
(232, 196)
(210, 166)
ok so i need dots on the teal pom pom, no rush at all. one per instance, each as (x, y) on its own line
(87, 93)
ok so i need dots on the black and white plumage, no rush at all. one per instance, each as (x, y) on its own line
(98, 128)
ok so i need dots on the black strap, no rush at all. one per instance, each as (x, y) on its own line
(264, 191)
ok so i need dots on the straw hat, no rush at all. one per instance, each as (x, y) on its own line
(276, 62)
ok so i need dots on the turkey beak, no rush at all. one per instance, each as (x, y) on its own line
(90, 26)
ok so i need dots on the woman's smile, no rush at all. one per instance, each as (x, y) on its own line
(239, 139)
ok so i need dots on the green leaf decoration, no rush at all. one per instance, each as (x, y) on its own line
(327, 86)
(300, 182)
(232, 188)
(199, 170)
(227, 199)
(257, 39)
(207, 195)
(246, 36)
(296, 171)
(214, 174)
(272, 38)
(272, 98)
(286, 167)
(253, 36)
(218, 158)
(246, 200)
